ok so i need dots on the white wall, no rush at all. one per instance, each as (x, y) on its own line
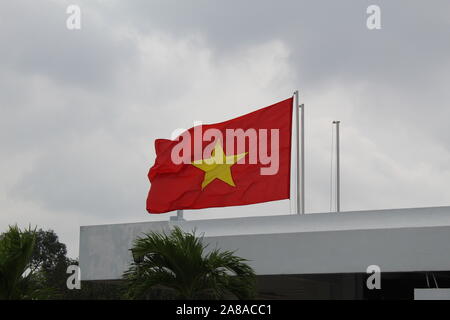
(396, 240)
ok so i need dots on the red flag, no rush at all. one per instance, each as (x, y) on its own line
(241, 161)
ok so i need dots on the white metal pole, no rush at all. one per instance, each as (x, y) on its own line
(302, 140)
(338, 174)
(297, 157)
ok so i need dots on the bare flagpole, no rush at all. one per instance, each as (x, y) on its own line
(338, 169)
(299, 120)
(302, 140)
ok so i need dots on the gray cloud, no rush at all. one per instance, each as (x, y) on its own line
(80, 109)
(38, 44)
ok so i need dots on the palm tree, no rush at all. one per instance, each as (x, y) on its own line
(176, 265)
(16, 248)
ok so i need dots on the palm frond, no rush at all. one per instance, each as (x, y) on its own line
(16, 248)
(178, 262)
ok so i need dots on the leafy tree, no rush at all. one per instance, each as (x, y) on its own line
(50, 264)
(16, 248)
(176, 265)
(48, 251)
(33, 265)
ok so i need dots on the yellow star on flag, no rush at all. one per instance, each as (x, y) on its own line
(218, 166)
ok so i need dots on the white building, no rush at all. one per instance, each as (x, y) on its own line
(323, 255)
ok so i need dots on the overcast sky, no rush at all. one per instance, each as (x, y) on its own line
(80, 109)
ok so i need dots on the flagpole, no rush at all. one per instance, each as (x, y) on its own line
(178, 217)
(302, 138)
(297, 157)
(338, 169)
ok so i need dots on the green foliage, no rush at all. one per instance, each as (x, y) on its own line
(33, 265)
(16, 248)
(50, 263)
(177, 266)
(48, 252)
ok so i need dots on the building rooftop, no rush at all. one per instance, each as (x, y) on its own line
(398, 240)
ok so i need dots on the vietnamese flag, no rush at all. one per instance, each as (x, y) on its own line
(241, 161)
